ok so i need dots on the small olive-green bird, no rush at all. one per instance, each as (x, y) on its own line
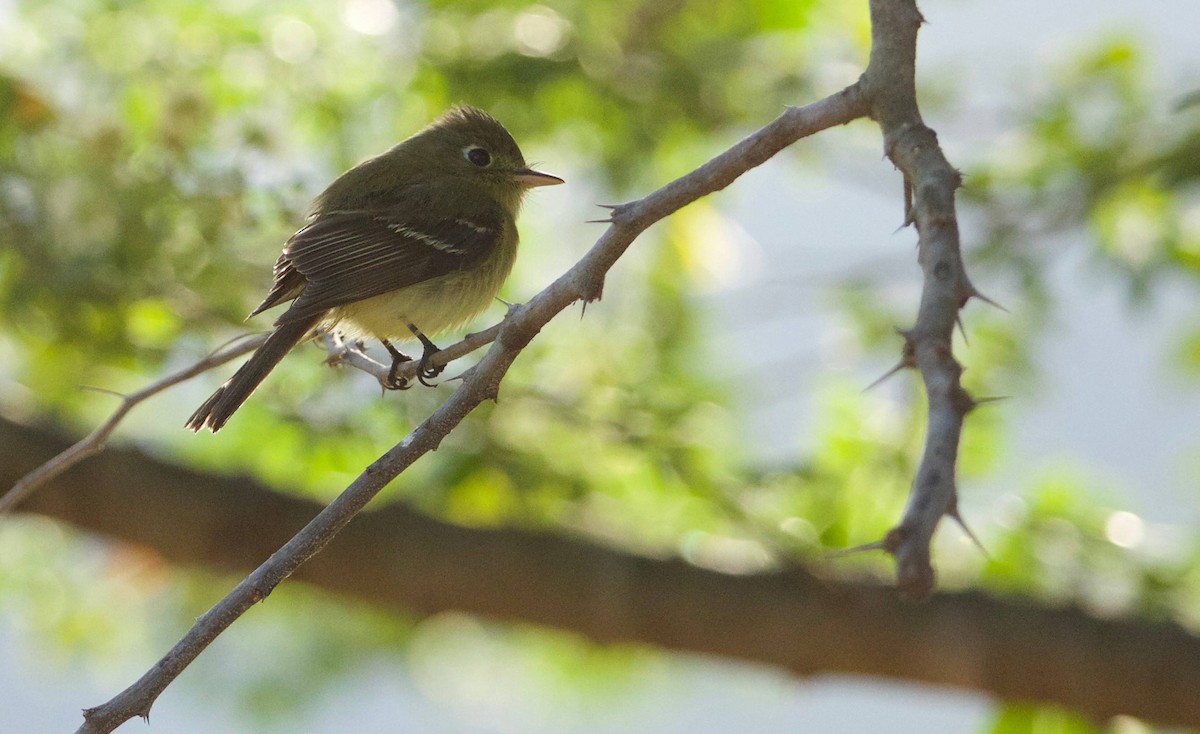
(411, 243)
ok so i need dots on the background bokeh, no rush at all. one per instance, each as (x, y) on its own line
(155, 154)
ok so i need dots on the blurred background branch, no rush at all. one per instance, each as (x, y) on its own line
(406, 562)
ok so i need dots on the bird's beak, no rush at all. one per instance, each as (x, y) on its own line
(530, 178)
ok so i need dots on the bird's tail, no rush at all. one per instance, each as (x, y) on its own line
(229, 397)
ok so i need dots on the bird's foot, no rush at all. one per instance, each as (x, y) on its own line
(394, 381)
(425, 372)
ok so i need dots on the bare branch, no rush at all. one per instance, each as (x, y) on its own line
(584, 281)
(94, 442)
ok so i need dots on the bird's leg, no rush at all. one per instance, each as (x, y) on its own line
(424, 371)
(394, 381)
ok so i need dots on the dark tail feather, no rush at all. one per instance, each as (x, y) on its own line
(229, 397)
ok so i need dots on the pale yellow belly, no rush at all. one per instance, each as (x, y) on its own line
(433, 306)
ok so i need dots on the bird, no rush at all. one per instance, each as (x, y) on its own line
(412, 242)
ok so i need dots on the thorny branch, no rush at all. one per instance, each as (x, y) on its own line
(930, 183)
(886, 92)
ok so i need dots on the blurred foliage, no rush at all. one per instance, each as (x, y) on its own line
(1025, 719)
(1098, 147)
(153, 156)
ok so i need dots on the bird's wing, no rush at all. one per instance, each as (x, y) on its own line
(344, 257)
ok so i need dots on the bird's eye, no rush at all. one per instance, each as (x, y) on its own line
(478, 156)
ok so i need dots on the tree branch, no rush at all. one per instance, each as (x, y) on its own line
(584, 281)
(94, 442)
(339, 354)
(399, 560)
(930, 183)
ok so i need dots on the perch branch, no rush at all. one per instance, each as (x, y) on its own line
(341, 353)
(584, 281)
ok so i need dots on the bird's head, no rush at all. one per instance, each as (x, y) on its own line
(471, 145)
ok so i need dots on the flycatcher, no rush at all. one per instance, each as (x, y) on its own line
(411, 243)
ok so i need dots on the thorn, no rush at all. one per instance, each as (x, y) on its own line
(509, 309)
(976, 294)
(908, 358)
(592, 291)
(468, 372)
(894, 539)
(961, 399)
(902, 364)
(962, 329)
(993, 399)
(492, 392)
(877, 545)
(612, 218)
(958, 518)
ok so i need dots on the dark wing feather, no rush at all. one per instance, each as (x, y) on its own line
(344, 257)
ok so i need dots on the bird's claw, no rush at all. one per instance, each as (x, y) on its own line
(394, 381)
(425, 373)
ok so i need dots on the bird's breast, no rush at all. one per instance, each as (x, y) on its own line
(433, 306)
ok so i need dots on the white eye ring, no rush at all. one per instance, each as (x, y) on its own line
(477, 156)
